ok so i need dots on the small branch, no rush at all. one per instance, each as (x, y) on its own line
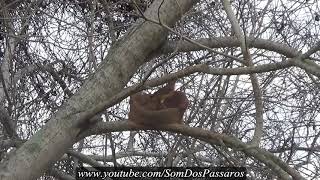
(307, 65)
(85, 159)
(7, 123)
(60, 175)
(253, 77)
(312, 50)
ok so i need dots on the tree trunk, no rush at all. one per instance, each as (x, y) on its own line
(37, 155)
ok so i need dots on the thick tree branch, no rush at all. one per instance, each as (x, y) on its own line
(37, 155)
(85, 159)
(253, 77)
(229, 41)
(263, 156)
(202, 68)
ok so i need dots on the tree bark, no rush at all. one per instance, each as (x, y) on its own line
(36, 156)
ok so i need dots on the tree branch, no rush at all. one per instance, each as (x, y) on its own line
(263, 156)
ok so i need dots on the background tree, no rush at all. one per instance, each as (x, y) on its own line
(250, 70)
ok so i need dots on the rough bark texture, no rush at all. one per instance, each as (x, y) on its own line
(37, 155)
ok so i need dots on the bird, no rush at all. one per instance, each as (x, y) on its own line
(166, 89)
(164, 107)
(163, 92)
(176, 99)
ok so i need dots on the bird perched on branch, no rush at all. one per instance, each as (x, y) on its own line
(160, 95)
(166, 106)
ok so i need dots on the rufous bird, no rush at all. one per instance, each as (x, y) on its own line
(166, 106)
